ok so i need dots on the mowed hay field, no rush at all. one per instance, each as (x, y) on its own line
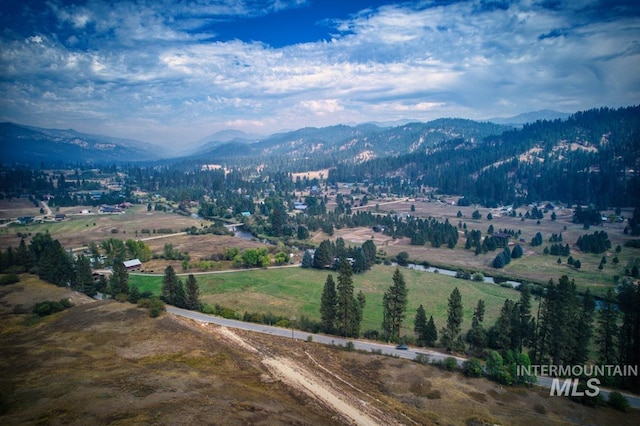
(294, 291)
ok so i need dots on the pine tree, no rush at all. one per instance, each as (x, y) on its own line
(451, 333)
(516, 253)
(608, 328)
(346, 305)
(328, 305)
(119, 279)
(23, 256)
(431, 335)
(499, 336)
(323, 256)
(394, 306)
(172, 290)
(420, 326)
(369, 249)
(584, 329)
(559, 318)
(477, 336)
(361, 302)
(499, 261)
(629, 334)
(523, 328)
(307, 259)
(192, 294)
(83, 280)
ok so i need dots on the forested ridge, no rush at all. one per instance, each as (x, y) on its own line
(592, 157)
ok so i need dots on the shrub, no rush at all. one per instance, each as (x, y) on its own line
(478, 276)
(618, 401)
(540, 409)
(450, 363)
(472, 367)
(49, 307)
(9, 279)
(422, 359)
(156, 307)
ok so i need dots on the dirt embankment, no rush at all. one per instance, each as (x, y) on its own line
(104, 362)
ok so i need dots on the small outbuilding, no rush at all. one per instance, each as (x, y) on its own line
(133, 264)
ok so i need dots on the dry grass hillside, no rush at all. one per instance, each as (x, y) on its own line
(104, 362)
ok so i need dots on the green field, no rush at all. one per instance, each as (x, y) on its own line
(297, 291)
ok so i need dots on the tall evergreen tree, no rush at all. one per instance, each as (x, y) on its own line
(584, 329)
(420, 326)
(23, 256)
(477, 336)
(347, 306)
(451, 338)
(369, 249)
(629, 337)
(431, 333)
(323, 256)
(608, 328)
(523, 326)
(192, 294)
(172, 290)
(119, 279)
(83, 280)
(328, 305)
(394, 306)
(361, 302)
(307, 259)
(499, 336)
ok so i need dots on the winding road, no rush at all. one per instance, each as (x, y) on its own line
(544, 381)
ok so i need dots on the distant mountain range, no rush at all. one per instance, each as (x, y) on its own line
(530, 117)
(358, 143)
(34, 145)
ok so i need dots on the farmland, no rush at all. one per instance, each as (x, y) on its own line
(296, 291)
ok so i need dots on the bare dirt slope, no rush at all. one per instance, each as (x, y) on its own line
(109, 363)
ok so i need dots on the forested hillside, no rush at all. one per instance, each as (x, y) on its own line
(592, 157)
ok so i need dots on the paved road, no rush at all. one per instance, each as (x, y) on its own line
(368, 346)
(301, 335)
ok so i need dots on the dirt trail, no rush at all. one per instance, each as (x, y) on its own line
(305, 380)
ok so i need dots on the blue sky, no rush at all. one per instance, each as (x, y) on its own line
(172, 72)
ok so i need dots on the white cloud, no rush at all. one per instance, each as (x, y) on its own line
(321, 107)
(148, 66)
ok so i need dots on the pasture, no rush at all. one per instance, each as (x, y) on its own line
(294, 291)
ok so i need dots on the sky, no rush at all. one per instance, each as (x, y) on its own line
(172, 72)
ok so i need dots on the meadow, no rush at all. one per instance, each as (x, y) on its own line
(297, 291)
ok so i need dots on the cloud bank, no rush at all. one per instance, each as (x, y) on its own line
(161, 71)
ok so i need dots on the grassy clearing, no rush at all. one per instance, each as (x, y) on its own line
(297, 291)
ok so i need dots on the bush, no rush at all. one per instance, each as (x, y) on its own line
(9, 279)
(49, 307)
(618, 401)
(540, 409)
(156, 307)
(450, 363)
(422, 359)
(472, 367)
